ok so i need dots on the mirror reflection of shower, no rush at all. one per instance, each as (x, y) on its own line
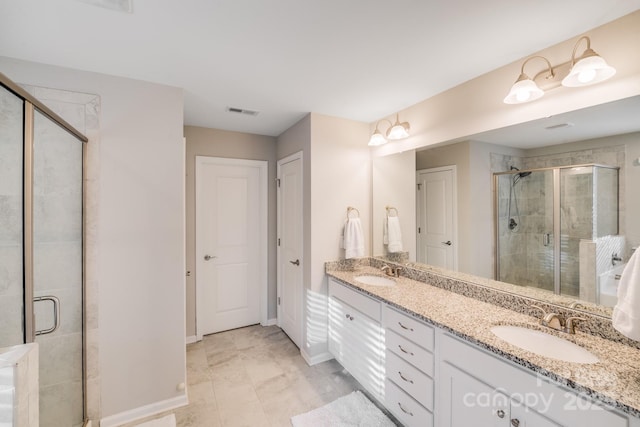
(513, 199)
(557, 228)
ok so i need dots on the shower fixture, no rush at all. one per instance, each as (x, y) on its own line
(513, 224)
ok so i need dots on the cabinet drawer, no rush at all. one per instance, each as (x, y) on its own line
(417, 384)
(409, 351)
(405, 408)
(410, 328)
(363, 303)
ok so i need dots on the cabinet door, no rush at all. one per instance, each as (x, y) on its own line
(521, 416)
(471, 402)
(355, 340)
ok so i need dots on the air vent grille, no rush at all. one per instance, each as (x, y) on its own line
(558, 126)
(246, 112)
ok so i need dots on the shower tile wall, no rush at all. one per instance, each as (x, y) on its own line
(524, 259)
(11, 290)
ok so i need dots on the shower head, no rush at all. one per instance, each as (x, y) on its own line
(524, 174)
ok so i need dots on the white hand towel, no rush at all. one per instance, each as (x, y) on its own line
(626, 313)
(353, 240)
(394, 235)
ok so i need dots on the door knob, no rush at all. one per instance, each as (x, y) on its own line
(296, 262)
(448, 243)
(209, 257)
(515, 422)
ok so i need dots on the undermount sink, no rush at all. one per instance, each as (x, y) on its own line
(544, 344)
(375, 280)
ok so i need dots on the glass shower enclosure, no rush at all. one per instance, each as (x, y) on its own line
(541, 215)
(42, 247)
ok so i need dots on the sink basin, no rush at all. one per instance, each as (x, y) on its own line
(375, 280)
(544, 344)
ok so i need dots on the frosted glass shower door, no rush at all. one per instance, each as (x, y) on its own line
(11, 230)
(57, 260)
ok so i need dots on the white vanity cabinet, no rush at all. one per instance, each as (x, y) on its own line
(409, 368)
(478, 388)
(355, 335)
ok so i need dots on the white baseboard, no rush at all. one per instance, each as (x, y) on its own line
(192, 339)
(318, 358)
(144, 411)
(271, 322)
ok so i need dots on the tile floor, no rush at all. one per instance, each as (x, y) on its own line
(255, 376)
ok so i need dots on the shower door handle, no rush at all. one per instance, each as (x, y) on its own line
(546, 239)
(448, 243)
(56, 314)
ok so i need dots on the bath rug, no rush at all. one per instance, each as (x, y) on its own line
(348, 411)
(168, 421)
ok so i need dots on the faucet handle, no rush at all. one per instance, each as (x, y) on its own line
(570, 324)
(544, 312)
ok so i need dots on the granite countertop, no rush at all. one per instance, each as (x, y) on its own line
(614, 380)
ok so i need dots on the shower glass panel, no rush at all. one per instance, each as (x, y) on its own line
(525, 228)
(542, 215)
(11, 248)
(57, 256)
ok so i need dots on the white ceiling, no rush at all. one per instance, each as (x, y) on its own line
(357, 59)
(612, 118)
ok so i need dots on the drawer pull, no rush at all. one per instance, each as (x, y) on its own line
(405, 327)
(404, 351)
(402, 376)
(404, 410)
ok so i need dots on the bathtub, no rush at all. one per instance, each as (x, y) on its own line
(608, 285)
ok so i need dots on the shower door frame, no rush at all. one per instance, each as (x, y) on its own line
(31, 105)
(557, 226)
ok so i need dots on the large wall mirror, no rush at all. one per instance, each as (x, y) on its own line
(548, 208)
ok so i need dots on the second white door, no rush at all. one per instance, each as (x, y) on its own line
(290, 247)
(230, 232)
(436, 217)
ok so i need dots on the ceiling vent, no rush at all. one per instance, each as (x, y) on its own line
(242, 111)
(558, 126)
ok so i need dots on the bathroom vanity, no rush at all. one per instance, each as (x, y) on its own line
(428, 354)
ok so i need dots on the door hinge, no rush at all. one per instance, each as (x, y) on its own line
(278, 182)
(278, 241)
(278, 300)
(419, 186)
(418, 230)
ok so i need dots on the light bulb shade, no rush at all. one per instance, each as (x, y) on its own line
(523, 90)
(377, 139)
(398, 131)
(587, 71)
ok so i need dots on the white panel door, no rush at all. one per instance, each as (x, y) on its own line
(290, 282)
(436, 217)
(228, 250)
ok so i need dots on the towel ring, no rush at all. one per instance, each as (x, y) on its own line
(391, 208)
(350, 209)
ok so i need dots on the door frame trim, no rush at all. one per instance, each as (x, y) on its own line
(263, 166)
(454, 207)
(295, 156)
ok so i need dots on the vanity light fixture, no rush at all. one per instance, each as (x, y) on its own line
(589, 68)
(395, 131)
(525, 89)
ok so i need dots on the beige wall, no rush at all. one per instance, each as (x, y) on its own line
(233, 145)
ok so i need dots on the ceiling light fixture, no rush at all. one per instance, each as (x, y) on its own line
(585, 70)
(395, 131)
(590, 68)
(525, 89)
